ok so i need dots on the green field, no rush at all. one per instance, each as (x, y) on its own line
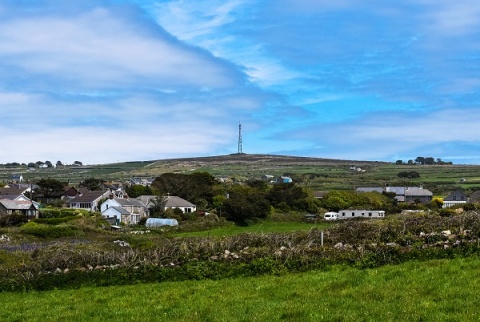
(258, 228)
(437, 290)
(314, 173)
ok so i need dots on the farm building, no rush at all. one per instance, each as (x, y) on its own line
(345, 214)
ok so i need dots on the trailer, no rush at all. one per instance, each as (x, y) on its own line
(346, 214)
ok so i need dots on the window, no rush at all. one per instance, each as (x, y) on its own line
(369, 214)
(454, 197)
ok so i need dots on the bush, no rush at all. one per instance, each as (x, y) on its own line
(15, 219)
(47, 231)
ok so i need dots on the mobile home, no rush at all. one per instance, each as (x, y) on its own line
(346, 214)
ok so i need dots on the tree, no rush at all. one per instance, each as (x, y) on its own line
(287, 194)
(49, 164)
(408, 174)
(429, 161)
(59, 164)
(157, 209)
(92, 184)
(245, 203)
(399, 162)
(192, 187)
(50, 188)
(78, 163)
(137, 190)
(420, 160)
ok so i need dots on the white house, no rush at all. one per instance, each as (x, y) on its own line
(121, 215)
(173, 202)
(454, 198)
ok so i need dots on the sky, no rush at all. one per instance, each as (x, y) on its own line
(107, 81)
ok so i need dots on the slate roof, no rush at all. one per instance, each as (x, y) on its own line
(16, 205)
(90, 196)
(416, 191)
(456, 196)
(175, 202)
(369, 189)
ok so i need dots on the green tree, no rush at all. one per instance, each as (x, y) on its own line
(157, 208)
(245, 203)
(92, 184)
(49, 188)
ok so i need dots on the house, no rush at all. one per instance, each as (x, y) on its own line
(133, 206)
(319, 194)
(283, 179)
(25, 207)
(88, 200)
(455, 198)
(173, 202)
(16, 178)
(418, 194)
(121, 215)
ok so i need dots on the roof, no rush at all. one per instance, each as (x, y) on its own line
(16, 205)
(416, 191)
(176, 202)
(456, 196)
(90, 196)
(369, 189)
(396, 190)
(11, 191)
(475, 196)
(120, 210)
(130, 202)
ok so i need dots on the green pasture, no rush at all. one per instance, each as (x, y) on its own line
(437, 290)
(258, 228)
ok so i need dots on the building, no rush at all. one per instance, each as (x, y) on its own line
(455, 198)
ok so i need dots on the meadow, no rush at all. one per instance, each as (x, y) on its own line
(435, 290)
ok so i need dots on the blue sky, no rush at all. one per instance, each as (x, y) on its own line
(126, 80)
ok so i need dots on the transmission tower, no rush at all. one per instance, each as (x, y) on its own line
(240, 138)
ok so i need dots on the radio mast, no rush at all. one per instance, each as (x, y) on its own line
(240, 150)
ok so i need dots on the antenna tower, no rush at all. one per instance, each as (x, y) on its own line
(240, 138)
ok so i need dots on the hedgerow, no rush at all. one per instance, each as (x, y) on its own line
(156, 258)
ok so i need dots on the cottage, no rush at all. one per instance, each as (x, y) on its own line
(88, 200)
(27, 208)
(454, 198)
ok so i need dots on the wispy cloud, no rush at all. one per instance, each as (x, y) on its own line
(150, 79)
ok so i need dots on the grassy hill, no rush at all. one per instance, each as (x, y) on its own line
(315, 173)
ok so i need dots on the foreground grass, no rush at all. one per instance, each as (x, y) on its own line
(258, 228)
(439, 290)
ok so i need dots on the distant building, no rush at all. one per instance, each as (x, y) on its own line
(454, 198)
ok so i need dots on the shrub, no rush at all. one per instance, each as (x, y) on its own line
(47, 231)
(15, 219)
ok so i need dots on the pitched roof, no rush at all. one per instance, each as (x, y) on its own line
(369, 189)
(456, 196)
(16, 205)
(87, 197)
(416, 191)
(175, 202)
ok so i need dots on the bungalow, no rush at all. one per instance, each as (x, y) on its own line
(88, 200)
(454, 198)
(24, 207)
(173, 202)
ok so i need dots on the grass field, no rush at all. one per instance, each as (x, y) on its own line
(259, 228)
(438, 290)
